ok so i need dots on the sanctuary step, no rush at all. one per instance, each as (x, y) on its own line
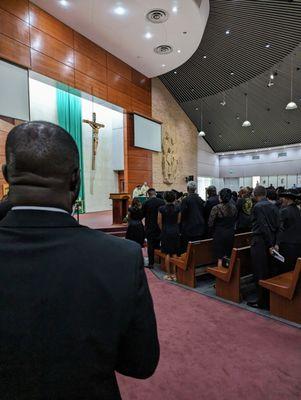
(119, 231)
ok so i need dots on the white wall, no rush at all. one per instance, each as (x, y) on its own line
(208, 161)
(42, 102)
(103, 181)
(110, 155)
(242, 165)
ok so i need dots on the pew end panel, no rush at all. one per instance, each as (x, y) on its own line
(228, 279)
(285, 294)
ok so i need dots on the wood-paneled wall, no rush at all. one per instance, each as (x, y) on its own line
(32, 38)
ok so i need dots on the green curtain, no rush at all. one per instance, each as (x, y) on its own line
(69, 110)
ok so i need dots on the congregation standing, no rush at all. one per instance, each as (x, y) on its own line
(273, 217)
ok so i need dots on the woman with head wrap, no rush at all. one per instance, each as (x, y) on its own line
(222, 224)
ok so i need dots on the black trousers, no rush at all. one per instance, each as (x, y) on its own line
(263, 268)
(290, 251)
(152, 244)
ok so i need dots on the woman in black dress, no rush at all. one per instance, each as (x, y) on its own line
(244, 207)
(222, 222)
(169, 218)
(135, 230)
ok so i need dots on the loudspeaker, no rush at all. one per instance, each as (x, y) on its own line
(189, 178)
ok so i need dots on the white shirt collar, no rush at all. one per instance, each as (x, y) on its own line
(52, 209)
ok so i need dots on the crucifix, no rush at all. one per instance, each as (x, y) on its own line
(95, 131)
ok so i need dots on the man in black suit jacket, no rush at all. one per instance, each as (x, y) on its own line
(75, 303)
(152, 230)
(192, 220)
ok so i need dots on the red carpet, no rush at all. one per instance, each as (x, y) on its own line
(214, 351)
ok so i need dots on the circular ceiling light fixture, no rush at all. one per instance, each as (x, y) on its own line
(148, 35)
(157, 16)
(119, 10)
(163, 49)
(267, 46)
(64, 3)
(227, 32)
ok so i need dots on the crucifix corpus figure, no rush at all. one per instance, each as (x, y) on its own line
(95, 131)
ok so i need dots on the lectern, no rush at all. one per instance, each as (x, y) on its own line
(120, 206)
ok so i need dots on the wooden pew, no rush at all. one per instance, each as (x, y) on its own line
(285, 294)
(198, 256)
(228, 279)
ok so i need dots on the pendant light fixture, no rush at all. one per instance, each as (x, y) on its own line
(291, 105)
(223, 102)
(202, 133)
(246, 123)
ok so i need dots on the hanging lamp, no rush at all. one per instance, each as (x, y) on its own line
(246, 123)
(291, 105)
(202, 133)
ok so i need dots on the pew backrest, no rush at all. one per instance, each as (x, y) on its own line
(240, 258)
(200, 253)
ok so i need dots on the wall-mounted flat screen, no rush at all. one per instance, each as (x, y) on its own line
(147, 133)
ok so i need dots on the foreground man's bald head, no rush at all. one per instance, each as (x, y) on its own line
(42, 165)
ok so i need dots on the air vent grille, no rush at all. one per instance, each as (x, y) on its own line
(283, 154)
(157, 16)
(163, 49)
(255, 157)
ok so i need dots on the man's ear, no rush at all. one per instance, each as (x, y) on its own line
(4, 172)
(75, 183)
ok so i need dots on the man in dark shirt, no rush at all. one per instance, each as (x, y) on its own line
(152, 230)
(212, 201)
(265, 225)
(289, 235)
(192, 219)
(75, 303)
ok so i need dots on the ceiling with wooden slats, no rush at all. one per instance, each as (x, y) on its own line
(264, 38)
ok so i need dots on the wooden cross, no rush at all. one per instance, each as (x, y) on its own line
(95, 131)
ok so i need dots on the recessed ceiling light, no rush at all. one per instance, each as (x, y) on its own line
(228, 32)
(202, 134)
(175, 9)
(64, 3)
(232, 73)
(175, 72)
(119, 10)
(163, 65)
(179, 51)
(196, 108)
(267, 46)
(205, 57)
(148, 35)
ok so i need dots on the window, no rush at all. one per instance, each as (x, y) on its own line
(203, 183)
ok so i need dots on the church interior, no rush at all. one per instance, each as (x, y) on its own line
(196, 103)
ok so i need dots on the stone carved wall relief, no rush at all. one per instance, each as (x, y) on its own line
(171, 162)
